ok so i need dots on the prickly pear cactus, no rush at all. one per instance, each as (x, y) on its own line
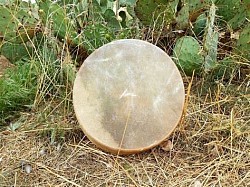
(110, 18)
(210, 40)
(200, 24)
(18, 22)
(55, 17)
(224, 68)
(234, 12)
(188, 55)
(183, 17)
(14, 52)
(243, 44)
(196, 7)
(199, 4)
(155, 12)
(96, 35)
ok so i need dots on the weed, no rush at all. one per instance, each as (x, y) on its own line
(18, 88)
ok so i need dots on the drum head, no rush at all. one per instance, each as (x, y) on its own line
(128, 96)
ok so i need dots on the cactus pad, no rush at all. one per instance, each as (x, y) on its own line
(187, 54)
(234, 12)
(14, 52)
(183, 17)
(243, 44)
(200, 24)
(154, 12)
(197, 5)
(210, 40)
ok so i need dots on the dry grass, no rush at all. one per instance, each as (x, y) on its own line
(211, 147)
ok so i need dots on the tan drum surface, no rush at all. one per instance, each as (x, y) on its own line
(128, 96)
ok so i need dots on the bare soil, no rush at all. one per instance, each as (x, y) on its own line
(4, 64)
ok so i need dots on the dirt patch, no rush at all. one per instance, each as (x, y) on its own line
(4, 64)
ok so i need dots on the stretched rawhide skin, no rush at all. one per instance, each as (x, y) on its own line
(128, 96)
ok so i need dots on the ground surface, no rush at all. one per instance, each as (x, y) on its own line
(211, 148)
(4, 63)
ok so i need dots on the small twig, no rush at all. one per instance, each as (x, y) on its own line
(244, 178)
(186, 102)
(53, 173)
(231, 130)
(44, 129)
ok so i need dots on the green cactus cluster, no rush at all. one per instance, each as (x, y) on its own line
(91, 24)
(156, 12)
(234, 12)
(80, 29)
(18, 22)
(191, 56)
(166, 12)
